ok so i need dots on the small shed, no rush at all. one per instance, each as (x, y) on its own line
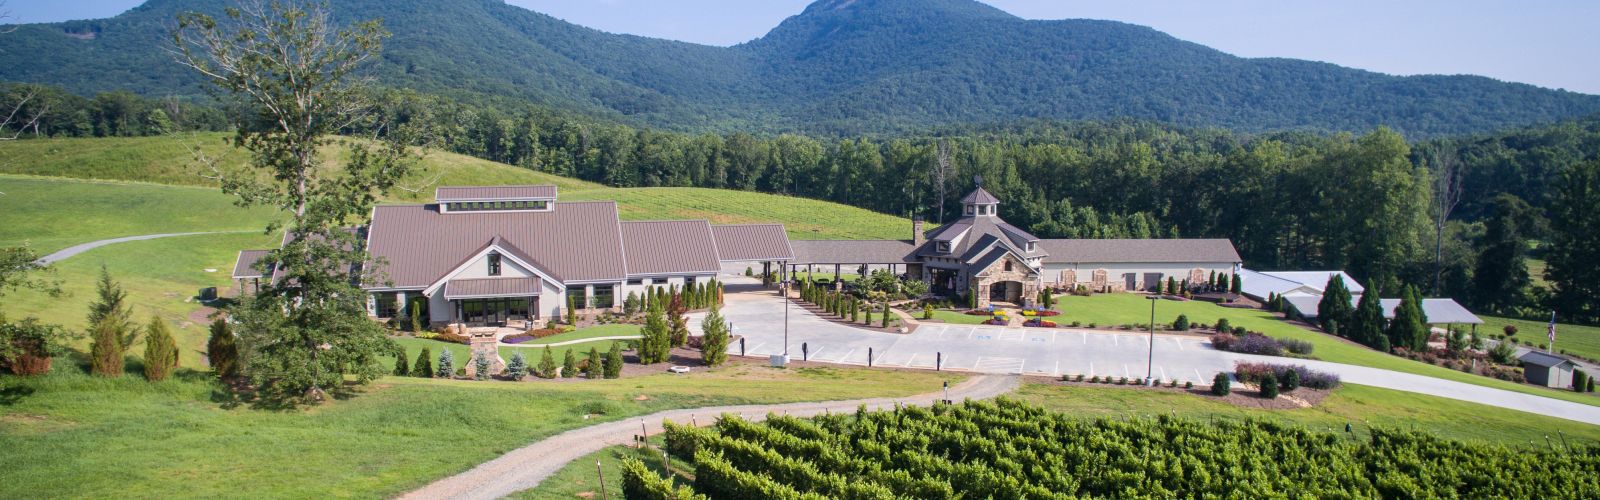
(1547, 370)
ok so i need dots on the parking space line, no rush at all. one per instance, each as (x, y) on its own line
(753, 350)
(814, 353)
(1163, 372)
(909, 360)
(1058, 367)
(1114, 340)
(1091, 368)
(1197, 377)
(1085, 336)
(846, 356)
(1125, 371)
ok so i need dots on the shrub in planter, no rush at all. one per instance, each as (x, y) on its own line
(423, 368)
(547, 364)
(480, 367)
(1269, 386)
(1511, 330)
(447, 365)
(1181, 324)
(1220, 384)
(613, 363)
(1224, 326)
(569, 365)
(1239, 330)
(592, 369)
(1122, 381)
(1188, 384)
(1080, 377)
(1291, 381)
(1172, 383)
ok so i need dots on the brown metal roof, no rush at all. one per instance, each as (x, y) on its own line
(669, 247)
(492, 287)
(751, 242)
(852, 251)
(245, 267)
(487, 193)
(415, 245)
(1139, 250)
(977, 231)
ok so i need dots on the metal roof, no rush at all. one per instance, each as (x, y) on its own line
(492, 287)
(852, 251)
(979, 196)
(1318, 280)
(1439, 311)
(446, 194)
(1139, 251)
(967, 234)
(245, 267)
(1537, 358)
(415, 245)
(669, 247)
(752, 242)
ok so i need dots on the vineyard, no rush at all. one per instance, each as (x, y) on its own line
(1008, 449)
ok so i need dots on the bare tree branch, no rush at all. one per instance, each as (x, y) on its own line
(1446, 195)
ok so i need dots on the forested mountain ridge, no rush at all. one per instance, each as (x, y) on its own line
(840, 67)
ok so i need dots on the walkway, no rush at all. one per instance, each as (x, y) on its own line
(525, 467)
(63, 254)
(758, 317)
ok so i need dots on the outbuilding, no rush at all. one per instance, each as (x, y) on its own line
(1547, 370)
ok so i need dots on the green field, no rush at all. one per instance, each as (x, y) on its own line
(953, 317)
(1127, 308)
(804, 218)
(161, 277)
(51, 214)
(69, 435)
(1577, 339)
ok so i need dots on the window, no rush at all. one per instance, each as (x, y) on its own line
(1008, 265)
(387, 305)
(604, 296)
(494, 264)
(635, 282)
(944, 247)
(1030, 246)
(970, 209)
(688, 280)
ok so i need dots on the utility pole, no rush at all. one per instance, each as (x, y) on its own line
(1150, 363)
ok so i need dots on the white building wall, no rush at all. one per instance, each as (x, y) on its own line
(659, 282)
(480, 269)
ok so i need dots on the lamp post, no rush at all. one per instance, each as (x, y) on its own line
(1150, 363)
(785, 289)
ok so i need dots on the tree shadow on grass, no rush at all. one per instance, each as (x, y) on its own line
(11, 395)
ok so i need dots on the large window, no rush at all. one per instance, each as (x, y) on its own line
(576, 297)
(494, 264)
(604, 296)
(387, 306)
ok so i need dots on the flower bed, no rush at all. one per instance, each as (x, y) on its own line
(998, 321)
(1251, 373)
(1040, 323)
(979, 312)
(1040, 312)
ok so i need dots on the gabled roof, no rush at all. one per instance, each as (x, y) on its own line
(1140, 251)
(446, 194)
(988, 259)
(979, 196)
(752, 242)
(852, 251)
(1537, 358)
(416, 246)
(669, 247)
(1318, 280)
(966, 233)
(478, 288)
(245, 267)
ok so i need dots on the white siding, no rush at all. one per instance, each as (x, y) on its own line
(1115, 271)
(480, 269)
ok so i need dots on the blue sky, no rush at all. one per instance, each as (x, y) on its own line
(1551, 43)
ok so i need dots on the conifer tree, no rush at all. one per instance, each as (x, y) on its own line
(480, 367)
(105, 350)
(160, 351)
(1366, 322)
(679, 335)
(569, 365)
(111, 305)
(1335, 304)
(447, 364)
(423, 368)
(1236, 285)
(223, 352)
(1211, 283)
(886, 314)
(402, 365)
(518, 366)
(1222, 282)
(572, 310)
(654, 341)
(594, 368)
(855, 310)
(547, 364)
(1409, 328)
(868, 313)
(613, 365)
(714, 345)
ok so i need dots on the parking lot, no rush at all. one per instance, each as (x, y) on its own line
(759, 318)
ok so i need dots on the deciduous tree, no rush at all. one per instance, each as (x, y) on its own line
(1574, 258)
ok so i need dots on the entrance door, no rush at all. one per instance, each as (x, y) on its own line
(1005, 291)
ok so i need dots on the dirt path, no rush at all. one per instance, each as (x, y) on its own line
(525, 467)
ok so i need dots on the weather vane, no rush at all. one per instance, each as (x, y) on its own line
(977, 179)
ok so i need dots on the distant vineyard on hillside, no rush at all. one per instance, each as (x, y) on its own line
(1007, 449)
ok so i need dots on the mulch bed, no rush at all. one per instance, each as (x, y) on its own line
(1241, 396)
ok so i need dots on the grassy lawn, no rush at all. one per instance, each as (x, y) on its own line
(71, 435)
(52, 214)
(1577, 339)
(1361, 406)
(160, 276)
(1127, 308)
(805, 218)
(580, 478)
(613, 330)
(169, 160)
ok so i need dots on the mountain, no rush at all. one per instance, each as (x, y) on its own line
(841, 66)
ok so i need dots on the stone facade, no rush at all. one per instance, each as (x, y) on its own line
(488, 345)
(1099, 279)
(1022, 282)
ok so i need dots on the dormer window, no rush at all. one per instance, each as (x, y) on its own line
(1030, 246)
(494, 264)
(944, 247)
(453, 199)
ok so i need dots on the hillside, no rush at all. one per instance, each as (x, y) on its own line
(169, 160)
(841, 66)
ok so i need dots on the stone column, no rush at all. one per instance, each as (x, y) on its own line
(485, 344)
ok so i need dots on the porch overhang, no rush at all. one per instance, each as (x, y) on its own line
(488, 288)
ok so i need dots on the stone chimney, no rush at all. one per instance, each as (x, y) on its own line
(917, 238)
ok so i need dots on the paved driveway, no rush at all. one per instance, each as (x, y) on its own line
(758, 316)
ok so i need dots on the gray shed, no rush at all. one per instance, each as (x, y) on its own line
(1547, 370)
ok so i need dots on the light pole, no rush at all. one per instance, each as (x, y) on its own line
(1150, 363)
(785, 289)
